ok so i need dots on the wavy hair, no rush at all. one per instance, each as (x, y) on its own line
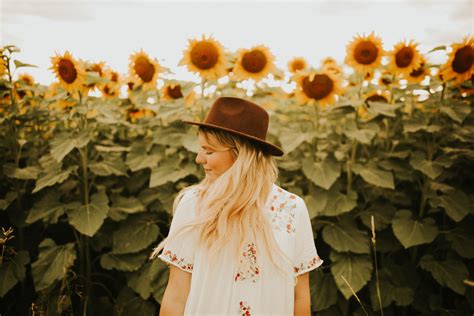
(230, 209)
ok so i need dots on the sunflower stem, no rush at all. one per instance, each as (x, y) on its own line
(377, 281)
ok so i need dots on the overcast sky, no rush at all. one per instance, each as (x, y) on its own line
(112, 30)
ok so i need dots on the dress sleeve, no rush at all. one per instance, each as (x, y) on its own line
(306, 256)
(180, 251)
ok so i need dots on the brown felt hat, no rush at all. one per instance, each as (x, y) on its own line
(240, 117)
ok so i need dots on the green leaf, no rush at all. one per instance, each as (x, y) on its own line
(127, 205)
(138, 158)
(19, 64)
(323, 174)
(9, 198)
(431, 168)
(363, 136)
(13, 271)
(27, 173)
(170, 171)
(52, 173)
(134, 235)
(61, 145)
(338, 203)
(52, 264)
(442, 47)
(356, 269)
(109, 167)
(412, 232)
(456, 110)
(128, 303)
(383, 108)
(462, 239)
(323, 290)
(125, 262)
(450, 272)
(383, 214)
(88, 218)
(457, 204)
(344, 236)
(142, 280)
(48, 209)
(290, 139)
(375, 176)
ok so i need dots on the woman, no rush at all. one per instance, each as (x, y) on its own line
(238, 244)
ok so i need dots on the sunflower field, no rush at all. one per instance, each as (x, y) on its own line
(381, 147)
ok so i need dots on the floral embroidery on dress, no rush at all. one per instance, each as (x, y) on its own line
(282, 211)
(316, 261)
(244, 309)
(248, 267)
(179, 261)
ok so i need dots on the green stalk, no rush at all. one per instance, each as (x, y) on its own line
(349, 163)
(377, 282)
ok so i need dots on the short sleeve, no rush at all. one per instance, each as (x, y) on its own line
(180, 251)
(305, 256)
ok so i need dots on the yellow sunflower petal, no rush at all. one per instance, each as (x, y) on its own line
(206, 57)
(460, 63)
(364, 53)
(419, 74)
(255, 63)
(404, 58)
(144, 69)
(297, 64)
(70, 72)
(317, 87)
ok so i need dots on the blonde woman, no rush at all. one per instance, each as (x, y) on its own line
(238, 243)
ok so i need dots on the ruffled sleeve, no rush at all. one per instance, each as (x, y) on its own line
(180, 251)
(306, 256)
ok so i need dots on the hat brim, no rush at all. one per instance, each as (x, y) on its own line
(270, 148)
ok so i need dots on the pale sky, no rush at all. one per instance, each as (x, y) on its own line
(112, 30)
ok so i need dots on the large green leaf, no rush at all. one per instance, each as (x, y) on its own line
(138, 158)
(344, 236)
(462, 239)
(456, 110)
(52, 173)
(431, 168)
(170, 171)
(109, 167)
(9, 198)
(323, 290)
(27, 173)
(143, 280)
(52, 264)
(127, 205)
(382, 212)
(450, 272)
(61, 145)
(374, 175)
(413, 232)
(128, 303)
(134, 234)
(363, 136)
(457, 204)
(48, 209)
(323, 174)
(125, 262)
(356, 269)
(338, 203)
(290, 139)
(88, 218)
(13, 271)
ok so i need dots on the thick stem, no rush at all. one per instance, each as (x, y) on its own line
(349, 163)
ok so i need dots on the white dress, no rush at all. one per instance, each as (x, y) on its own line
(259, 289)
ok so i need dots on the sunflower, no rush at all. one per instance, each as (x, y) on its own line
(255, 63)
(459, 64)
(330, 64)
(136, 114)
(404, 58)
(328, 61)
(3, 65)
(364, 53)
(205, 57)
(171, 91)
(70, 72)
(297, 64)
(417, 75)
(377, 96)
(111, 89)
(98, 68)
(317, 87)
(144, 70)
(26, 79)
(386, 78)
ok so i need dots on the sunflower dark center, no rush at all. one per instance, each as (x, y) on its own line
(320, 87)
(254, 61)
(67, 71)
(404, 57)
(463, 59)
(366, 52)
(175, 92)
(418, 72)
(204, 55)
(144, 69)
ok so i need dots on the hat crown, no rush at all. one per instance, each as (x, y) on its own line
(239, 115)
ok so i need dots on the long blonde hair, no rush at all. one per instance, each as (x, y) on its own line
(234, 203)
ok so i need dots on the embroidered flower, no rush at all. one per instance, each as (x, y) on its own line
(248, 267)
(282, 209)
(244, 308)
(315, 262)
(172, 258)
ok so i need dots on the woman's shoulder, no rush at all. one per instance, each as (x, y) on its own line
(282, 196)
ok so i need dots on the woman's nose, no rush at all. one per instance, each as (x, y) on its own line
(199, 158)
